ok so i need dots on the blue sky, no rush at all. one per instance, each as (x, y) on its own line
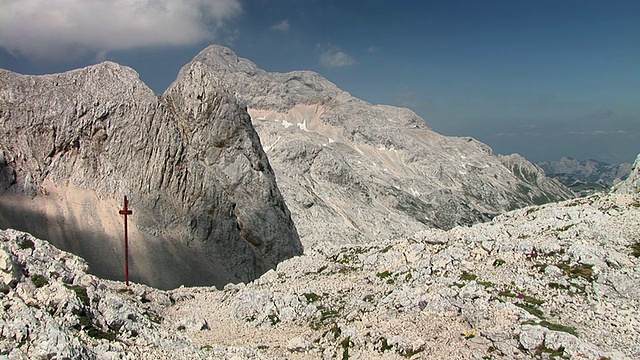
(540, 78)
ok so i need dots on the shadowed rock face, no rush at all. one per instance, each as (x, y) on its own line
(352, 172)
(206, 208)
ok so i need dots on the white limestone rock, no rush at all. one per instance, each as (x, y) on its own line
(353, 172)
(206, 208)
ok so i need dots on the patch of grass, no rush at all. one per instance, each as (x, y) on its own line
(565, 228)
(334, 330)
(384, 274)
(531, 310)
(345, 348)
(553, 354)
(312, 297)
(486, 284)
(99, 334)
(206, 347)
(579, 270)
(125, 291)
(635, 249)
(39, 280)
(81, 293)
(27, 244)
(507, 294)
(384, 344)
(274, 319)
(530, 300)
(326, 314)
(499, 262)
(557, 286)
(409, 353)
(386, 250)
(153, 317)
(468, 276)
(554, 327)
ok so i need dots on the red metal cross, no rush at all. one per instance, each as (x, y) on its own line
(126, 212)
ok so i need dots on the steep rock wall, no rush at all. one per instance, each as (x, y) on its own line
(75, 143)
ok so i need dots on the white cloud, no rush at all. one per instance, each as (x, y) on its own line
(282, 26)
(598, 132)
(334, 57)
(47, 29)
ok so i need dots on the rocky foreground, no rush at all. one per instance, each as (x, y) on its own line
(553, 281)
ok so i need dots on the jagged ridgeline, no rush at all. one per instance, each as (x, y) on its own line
(352, 172)
(206, 208)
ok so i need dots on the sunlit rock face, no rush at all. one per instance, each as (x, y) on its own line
(353, 172)
(632, 184)
(206, 208)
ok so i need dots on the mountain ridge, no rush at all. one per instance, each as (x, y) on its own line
(348, 168)
(76, 142)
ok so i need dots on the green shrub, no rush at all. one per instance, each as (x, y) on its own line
(311, 297)
(81, 293)
(468, 276)
(554, 327)
(579, 270)
(39, 280)
(26, 244)
(635, 249)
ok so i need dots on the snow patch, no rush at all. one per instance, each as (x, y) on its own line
(269, 147)
(303, 126)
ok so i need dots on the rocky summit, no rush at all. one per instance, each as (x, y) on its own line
(553, 281)
(206, 208)
(353, 172)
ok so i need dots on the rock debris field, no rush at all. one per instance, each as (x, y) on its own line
(554, 281)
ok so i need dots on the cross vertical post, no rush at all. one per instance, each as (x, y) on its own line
(125, 211)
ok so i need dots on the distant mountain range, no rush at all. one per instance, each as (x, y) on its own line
(585, 176)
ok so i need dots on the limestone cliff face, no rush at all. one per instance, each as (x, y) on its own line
(206, 208)
(351, 171)
(632, 184)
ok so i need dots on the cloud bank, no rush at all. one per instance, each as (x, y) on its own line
(56, 30)
(334, 57)
(282, 26)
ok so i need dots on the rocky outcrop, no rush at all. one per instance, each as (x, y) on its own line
(552, 281)
(632, 184)
(206, 208)
(352, 172)
(53, 309)
(558, 280)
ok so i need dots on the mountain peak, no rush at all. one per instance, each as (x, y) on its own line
(353, 172)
